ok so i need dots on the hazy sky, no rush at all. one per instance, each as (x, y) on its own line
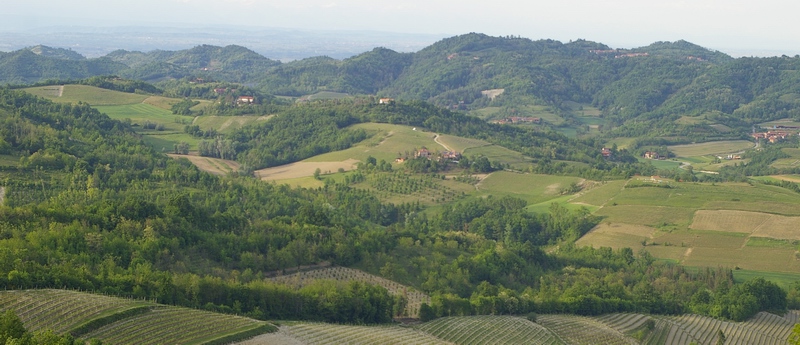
(725, 25)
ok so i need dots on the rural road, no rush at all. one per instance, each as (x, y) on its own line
(2, 195)
(436, 139)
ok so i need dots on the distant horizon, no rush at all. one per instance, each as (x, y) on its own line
(736, 27)
(363, 35)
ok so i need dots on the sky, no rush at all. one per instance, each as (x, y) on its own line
(736, 27)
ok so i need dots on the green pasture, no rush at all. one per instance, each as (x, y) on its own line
(767, 242)
(140, 113)
(227, 124)
(710, 148)
(461, 144)
(661, 164)
(601, 194)
(782, 122)
(386, 143)
(500, 154)
(533, 188)
(656, 216)
(622, 143)
(783, 279)
(325, 95)
(166, 142)
(88, 94)
(544, 207)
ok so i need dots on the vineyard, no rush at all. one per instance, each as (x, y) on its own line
(121, 321)
(469, 330)
(323, 334)
(174, 325)
(61, 310)
(573, 329)
(415, 298)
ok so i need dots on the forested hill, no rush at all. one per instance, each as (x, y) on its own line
(89, 206)
(639, 91)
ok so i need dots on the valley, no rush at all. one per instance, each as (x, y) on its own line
(480, 190)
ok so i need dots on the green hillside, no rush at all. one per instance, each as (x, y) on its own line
(124, 321)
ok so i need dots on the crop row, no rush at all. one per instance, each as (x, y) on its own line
(300, 279)
(171, 325)
(489, 330)
(624, 322)
(573, 329)
(320, 333)
(762, 329)
(59, 310)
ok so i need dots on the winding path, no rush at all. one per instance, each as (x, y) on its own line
(436, 139)
(2, 195)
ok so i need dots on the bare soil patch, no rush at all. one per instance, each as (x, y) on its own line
(493, 93)
(302, 169)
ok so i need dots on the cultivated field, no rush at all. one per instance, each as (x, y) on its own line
(62, 310)
(302, 169)
(300, 279)
(137, 322)
(533, 188)
(460, 144)
(731, 225)
(214, 166)
(476, 330)
(387, 143)
(710, 148)
(227, 124)
(88, 94)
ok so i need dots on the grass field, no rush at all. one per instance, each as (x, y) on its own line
(500, 154)
(88, 94)
(533, 188)
(461, 144)
(710, 148)
(141, 112)
(728, 224)
(227, 124)
(386, 143)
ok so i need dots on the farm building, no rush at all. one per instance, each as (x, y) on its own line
(246, 100)
(386, 101)
(652, 155)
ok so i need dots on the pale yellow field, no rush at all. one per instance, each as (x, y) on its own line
(214, 166)
(710, 148)
(617, 235)
(729, 221)
(749, 258)
(754, 223)
(302, 169)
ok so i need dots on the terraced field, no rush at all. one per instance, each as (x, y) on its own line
(300, 279)
(475, 330)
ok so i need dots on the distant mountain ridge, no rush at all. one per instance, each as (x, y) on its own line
(658, 83)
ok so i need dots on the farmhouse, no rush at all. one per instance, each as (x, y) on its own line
(386, 101)
(606, 152)
(423, 152)
(451, 155)
(652, 155)
(246, 100)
